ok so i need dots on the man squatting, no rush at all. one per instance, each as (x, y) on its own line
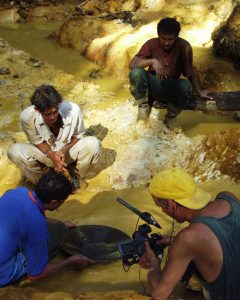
(167, 57)
(56, 133)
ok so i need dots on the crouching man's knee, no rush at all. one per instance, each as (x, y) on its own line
(14, 153)
(137, 73)
(94, 147)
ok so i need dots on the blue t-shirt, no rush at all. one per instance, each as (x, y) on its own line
(23, 236)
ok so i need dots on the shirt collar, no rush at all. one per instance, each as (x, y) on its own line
(39, 202)
(40, 120)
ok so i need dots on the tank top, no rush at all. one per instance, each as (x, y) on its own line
(227, 230)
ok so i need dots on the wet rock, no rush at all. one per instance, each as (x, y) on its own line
(23, 13)
(236, 116)
(37, 64)
(125, 16)
(15, 75)
(21, 20)
(95, 73)
(78, 33)
(4, 71)
(3, 44)
(33, 60)
(39, 2)
(101, 7)
(51, 12)
(226, 39)
(24, 4)
(22, 95)
(9, 15)
(12, 293)
(78, 11)
(3, 82)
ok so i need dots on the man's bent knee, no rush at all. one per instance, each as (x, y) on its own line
(137, 72)
(93, 145)
(184, 87)
(14, 152)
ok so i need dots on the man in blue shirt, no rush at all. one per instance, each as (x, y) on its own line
(24, 236)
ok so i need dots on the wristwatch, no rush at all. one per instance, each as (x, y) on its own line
(46, 153)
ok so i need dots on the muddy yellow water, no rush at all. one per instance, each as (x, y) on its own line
(34, 39)
(102, 208)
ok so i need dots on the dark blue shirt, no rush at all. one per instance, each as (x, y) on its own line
(23, 236)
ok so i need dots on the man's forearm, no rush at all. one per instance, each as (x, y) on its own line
(140, 62)
(195, 81)
(68, 146)
(52, 268)
(154, 275)
(44, 148)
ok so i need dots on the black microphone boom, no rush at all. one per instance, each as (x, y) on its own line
(145, 216)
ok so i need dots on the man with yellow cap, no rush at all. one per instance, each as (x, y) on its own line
(210, 243)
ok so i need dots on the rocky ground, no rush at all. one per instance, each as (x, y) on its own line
(133, 152)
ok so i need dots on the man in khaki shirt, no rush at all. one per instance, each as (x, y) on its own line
(55, 130)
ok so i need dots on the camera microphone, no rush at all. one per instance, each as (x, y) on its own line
(145, 216)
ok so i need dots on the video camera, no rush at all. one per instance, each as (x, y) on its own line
(132, 250)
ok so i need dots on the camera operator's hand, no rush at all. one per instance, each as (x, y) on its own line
(80, 261)
(149, 259)
(166, 240)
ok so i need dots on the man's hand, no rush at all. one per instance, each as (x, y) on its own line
(165, 240)
(149, 259)
(159, 69)
(80, 261)
(204, 94)
(70, 225)
(58, 159)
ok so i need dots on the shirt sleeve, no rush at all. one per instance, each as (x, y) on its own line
(28, 126)
(145, 51)
(35, 248)
(37, 257)
(79, 128)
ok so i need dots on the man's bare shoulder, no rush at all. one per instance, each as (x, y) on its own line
(195, 233)
(226, 193)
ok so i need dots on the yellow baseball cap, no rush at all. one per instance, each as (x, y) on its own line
(176, 184)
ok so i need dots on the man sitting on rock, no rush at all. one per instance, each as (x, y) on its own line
(167, 57)
(55, 130)
(27, 238)
(208, 246)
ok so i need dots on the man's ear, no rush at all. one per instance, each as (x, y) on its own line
(52, 201)
(171, 204)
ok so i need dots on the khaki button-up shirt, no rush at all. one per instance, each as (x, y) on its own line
(38, 131)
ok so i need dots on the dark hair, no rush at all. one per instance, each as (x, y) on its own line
(53, 186)
(168, 26)
(45, 96)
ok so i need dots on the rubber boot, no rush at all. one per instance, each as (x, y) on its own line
(171, 116)
(144, 111)
(170, 122)
(76, 181)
